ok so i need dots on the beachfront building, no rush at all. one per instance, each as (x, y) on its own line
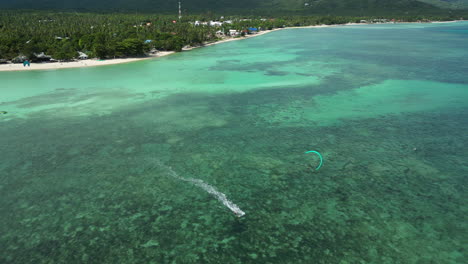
(220, 34)
(234, 33)
(19, 59)
(377, 21)
(82, 56)
(380, 21)
(42, 57)
(253, 30)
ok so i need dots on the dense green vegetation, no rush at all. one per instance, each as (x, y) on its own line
(454, 4)
(263, 7)
(63, 35)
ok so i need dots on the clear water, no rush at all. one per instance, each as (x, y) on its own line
(91, 157)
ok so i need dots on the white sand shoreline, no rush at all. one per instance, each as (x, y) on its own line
(76, 64)
(96, 62)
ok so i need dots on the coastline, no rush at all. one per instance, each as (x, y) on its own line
(77, 64)
(95, 62)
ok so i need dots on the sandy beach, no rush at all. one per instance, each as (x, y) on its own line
(77, 64)
(96, 62)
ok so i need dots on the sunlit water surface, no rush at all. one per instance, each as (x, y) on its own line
(92, 158)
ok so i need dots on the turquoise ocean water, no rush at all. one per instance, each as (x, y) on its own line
(93, 160)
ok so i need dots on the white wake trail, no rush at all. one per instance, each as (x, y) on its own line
(209, 189)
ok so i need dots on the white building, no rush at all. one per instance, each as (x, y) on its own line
(199, 23)
(82, 56)
(215, 23)
(211, 23)
(234, 32)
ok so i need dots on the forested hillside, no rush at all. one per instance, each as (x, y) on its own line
(300, 7)
(454, 4)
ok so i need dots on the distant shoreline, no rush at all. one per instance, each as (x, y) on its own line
(95, 62)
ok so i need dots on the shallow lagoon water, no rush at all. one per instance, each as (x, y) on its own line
(87, 154)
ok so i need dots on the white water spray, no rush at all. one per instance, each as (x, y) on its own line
(209, 189)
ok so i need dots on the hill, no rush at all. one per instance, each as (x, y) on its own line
(453, 4)
(302, 7)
